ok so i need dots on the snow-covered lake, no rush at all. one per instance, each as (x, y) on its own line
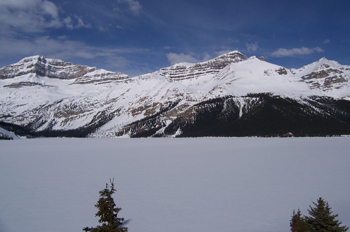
(171, 185)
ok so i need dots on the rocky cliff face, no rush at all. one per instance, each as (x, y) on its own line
(187, 71)
(53, 68)
(327, 75)
(231, 95)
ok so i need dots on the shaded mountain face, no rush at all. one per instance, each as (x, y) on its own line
(230, 95)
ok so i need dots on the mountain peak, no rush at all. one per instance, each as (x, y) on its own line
(234, 56)
(55, 68)
(223, 96)
(232, 53)
(40, 59)
(323, 59)
(31, 58)
(322, 64)
(211, 67)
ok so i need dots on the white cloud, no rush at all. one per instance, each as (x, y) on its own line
(219, 53)
(117, 61)
(69, 23)
(327, 41)
(62, 37)
(101, 28)
(50, 9)
(252, 47)
(174, 58)
(65, 49)
(29, 15)
(206, 56)
(134, 6)
(45, 45)
(295, 51)
(19, 4)
(32, 16)
(81, 23)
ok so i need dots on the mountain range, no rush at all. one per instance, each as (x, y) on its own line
(230, 95)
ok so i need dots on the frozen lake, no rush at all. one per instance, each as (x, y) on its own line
(171, 185)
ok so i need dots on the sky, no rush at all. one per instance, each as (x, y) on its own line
(140, 36)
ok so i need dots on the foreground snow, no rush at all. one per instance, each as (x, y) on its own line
(168, 185)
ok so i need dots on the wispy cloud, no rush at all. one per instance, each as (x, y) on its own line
(101, 28)
(134, 6)
(175, 58)
(80, 23)
(33, 16)
(327, 41)
(219, 53)
(295, 51)
(65, 49)
(45, 45)
(29, 15)
(252, 47)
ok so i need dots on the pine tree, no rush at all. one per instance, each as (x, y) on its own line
(298, 223)
(108, 213)
(322, 220)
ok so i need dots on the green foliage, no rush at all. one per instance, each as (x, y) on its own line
(108, 213)
(320, 219)
(298, 222)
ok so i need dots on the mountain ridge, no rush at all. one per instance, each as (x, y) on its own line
(50, 97)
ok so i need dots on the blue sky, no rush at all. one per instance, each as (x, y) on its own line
(139, 36)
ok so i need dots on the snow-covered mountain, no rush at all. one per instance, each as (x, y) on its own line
(230, 95)
(7, 135)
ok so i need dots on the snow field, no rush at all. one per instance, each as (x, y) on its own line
(168, 185)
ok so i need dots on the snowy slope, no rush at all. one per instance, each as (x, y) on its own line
(7, 135)
(47, 95)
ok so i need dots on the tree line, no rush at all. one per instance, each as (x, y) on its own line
(320, 219)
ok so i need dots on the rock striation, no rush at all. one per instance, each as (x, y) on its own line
(230, 95)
